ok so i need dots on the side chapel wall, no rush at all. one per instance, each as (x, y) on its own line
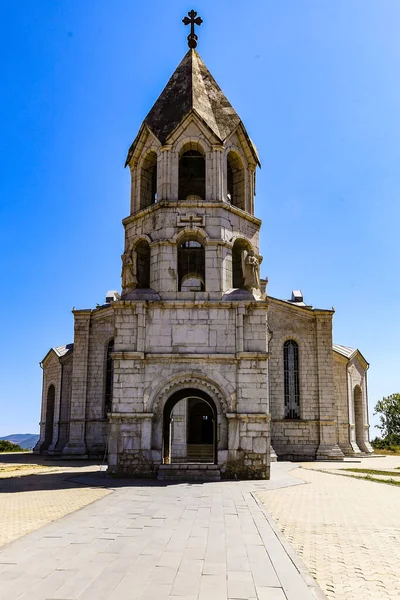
(293, 438)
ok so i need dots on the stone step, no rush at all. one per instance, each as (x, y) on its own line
(189, 472)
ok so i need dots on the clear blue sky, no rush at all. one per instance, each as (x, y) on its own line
(317, 86)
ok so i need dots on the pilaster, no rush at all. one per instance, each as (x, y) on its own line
(76, 443)
(328, 448)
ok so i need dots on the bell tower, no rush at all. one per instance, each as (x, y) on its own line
(192, 318)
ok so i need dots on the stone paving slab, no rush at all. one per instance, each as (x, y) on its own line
(345, 529)
(34, 492)
(150, 541)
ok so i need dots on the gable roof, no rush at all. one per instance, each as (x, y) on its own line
(348, 352)
(192, 88)
(59, 351)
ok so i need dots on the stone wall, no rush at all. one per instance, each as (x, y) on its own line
(315, 433)
(65, 409)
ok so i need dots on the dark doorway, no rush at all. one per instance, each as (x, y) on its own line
(48, 438)
(189, 428)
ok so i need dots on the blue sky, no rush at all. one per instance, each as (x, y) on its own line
(317, 86)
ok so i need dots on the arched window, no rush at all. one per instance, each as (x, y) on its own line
(291, 379)
(148, 180)
(192, 173)
(109, 378)
(237, 267)
(142, 250)
(191, 266)
(235, 181)
(49, 424)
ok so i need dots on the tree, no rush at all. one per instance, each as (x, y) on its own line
(6, 446)
(388, 410)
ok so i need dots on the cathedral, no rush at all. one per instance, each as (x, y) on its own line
(192, 370)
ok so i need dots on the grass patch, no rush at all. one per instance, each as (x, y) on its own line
(373, 472)
(392, 452)
(387, 481)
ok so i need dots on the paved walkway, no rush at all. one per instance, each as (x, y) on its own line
(201, 541)
(35, 491)
(346, 530)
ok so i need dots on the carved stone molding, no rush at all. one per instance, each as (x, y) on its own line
(181, 382)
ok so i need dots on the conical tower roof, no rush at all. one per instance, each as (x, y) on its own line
(192, 88)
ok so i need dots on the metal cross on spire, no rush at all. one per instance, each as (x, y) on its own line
(192, 20)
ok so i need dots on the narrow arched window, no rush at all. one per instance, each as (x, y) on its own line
(191, 266)
(291, 379)
(235, 181)
(49, 422)
(148, 180)
(192, 173)
(143, 264)
(109, 378)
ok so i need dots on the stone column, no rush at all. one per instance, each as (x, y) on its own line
(328, 448)
(76, 443)
(250, 189)
(233, 435)
(42, 423)
(134, 186)
(164, 177)
(365, 445)
(218, 187)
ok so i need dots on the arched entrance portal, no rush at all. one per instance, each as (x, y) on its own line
(189, 428)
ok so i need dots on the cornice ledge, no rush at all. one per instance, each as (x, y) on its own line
(127, 355)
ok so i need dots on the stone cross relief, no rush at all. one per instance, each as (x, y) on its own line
(190, 220)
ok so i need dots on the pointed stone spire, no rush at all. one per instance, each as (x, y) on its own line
(192, 88)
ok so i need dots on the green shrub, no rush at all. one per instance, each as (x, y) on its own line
(6, 446)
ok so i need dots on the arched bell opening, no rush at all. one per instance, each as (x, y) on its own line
(49, 423)
(191, 266)
(239, 247)
(190, 428)
(192, 173)
(358, 416)
(142, 250)
(148, 180)
(235, 181)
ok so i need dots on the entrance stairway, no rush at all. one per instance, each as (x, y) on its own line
(189, 472)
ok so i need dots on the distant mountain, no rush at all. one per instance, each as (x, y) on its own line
(25, 440)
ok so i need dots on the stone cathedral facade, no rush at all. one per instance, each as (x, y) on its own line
(192, 369)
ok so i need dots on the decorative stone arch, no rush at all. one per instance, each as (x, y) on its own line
(190, 232)
(158, 397)
(193, 143)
